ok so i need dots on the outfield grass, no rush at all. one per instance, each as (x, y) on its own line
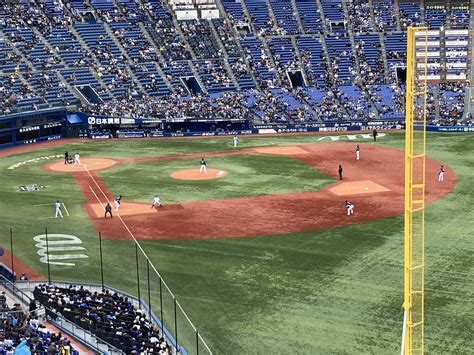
(323, 292)
(249, 175)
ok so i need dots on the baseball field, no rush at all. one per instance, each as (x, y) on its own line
(259, 251)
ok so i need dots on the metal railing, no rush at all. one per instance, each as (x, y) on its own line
(148, 286)
(137, 303)
(56, 319)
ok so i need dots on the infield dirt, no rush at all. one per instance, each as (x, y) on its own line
(196, 174)
(277, 214)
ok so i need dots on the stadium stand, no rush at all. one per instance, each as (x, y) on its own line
(23, 333)
(136, 53)
(110, 316)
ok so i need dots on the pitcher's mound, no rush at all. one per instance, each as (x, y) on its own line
(194, 174)
(89, 163)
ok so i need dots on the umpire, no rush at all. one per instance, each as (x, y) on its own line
(108, 209)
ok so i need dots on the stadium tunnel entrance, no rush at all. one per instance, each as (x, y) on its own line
(192, 85)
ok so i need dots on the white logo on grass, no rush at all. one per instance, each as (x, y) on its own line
(34, 160)
(57, 245)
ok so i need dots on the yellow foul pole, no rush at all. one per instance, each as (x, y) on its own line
(415, 153)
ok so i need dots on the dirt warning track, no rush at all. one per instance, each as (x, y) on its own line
(375, 185)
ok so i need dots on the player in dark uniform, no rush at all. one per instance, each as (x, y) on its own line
(374, 134)
(340, 172)
(108, 209)
(203, 166)
(66, 157)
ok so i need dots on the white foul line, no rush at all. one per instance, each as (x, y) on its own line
(141, 249)
(126, 227)
(65, 209)
(100, 203)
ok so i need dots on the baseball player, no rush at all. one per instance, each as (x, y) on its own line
(340, 172)
(77, 159)
(441, 173)
(66, 157)
(156, 202)
(108, 209)
(358, 152)
(118, 201)
(203, 166)
(350, 208)
(59, 213)
(374, 134)
(235, 141)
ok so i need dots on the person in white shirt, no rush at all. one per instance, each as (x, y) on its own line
(156, 202)
(59, 213)
(34, 324)
(77, 159)
(441, 174)
(235, 141)
(350, 208)
(118, 201)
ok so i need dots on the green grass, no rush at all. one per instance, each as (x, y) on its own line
(333, 291)
(249, 175)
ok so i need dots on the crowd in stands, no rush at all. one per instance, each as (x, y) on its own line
(230, 105)
(452, 104)
(108, 315)
(23, 333)
(48, 45)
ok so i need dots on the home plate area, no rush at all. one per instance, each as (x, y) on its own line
(90, 164)
(357, 188)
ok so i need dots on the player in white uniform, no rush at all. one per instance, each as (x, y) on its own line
(156, 202)
(203, 166)
(350, 208)
(118, 201)
(235, 141)
(59, 213)
(77, 159)
(358, 152)
(441, 173)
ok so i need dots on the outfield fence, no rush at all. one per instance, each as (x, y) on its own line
(66, 260)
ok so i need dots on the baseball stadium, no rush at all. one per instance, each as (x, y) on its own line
(236, 177)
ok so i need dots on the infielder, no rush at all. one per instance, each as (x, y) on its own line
(118, 201)
(350, 208)
(203, 166)
(66, 157)
(235, 141)
(441, 173)
(340, 172)
(156, 202)
(77, 159)
(358, 152)
(59, 213)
